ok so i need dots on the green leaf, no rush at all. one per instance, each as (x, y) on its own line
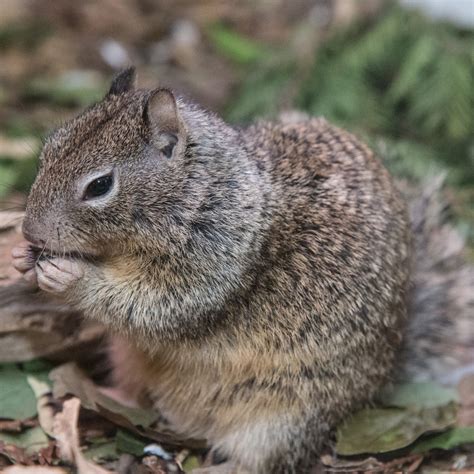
(418, 59)
(235, 46)
(192, 462)
(128, 443)
(37, 366)
(407, 159)
(422, 395)
(100, 452)
(31, 440)
(27, 35)
(455, 437)
(388, 429)
(8, 176)
(17, 400)
(39, 369)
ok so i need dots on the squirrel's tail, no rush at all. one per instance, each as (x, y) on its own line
(439, 340)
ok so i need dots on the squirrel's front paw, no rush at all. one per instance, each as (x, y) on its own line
(56, 275)
(24, 260)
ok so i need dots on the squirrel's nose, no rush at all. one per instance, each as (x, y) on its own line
(31, 233)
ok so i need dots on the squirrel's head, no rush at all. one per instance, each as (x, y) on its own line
(112, 173)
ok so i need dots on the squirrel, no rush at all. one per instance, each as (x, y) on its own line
(261, 282)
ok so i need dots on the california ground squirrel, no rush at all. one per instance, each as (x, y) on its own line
(258, 278)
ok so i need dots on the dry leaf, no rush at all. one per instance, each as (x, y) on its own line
(67, 437)
(343, 465)
(14, 426)
(371, 464)
(34, 470)
(155, 465)
(45, 410)
(69, 379)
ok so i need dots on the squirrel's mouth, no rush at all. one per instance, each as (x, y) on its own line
(44, 253)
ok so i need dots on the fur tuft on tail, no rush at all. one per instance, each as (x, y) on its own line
(439, 342)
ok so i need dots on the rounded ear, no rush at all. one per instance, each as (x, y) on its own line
(165, 127)
(161, 112)
(124, 81)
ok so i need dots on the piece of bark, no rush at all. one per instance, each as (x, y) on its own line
(34, 324)
(66, 434)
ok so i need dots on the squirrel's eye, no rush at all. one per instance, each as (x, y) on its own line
(98, 187)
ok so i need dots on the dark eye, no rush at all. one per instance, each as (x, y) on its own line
(99, 187)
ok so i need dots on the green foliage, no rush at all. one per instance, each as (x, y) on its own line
(419, 394)
(16, 175)
(17, 400)
(192, 462)
(32, 440)
(380, 430)
(270, 82)
(23, 35)
(235, 46)
(402, 82)
(104, 451)
(450, 439)
(8, 176)
(408, 411)
(403, 78)
(127, 442)
(74, 88)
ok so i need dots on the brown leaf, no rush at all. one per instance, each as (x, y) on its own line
(413, 462)
(69, 379)
(44, 406)
(14, 453)
(371, 464)
(343, 465)
(11, 425)
(34, 470)
(15, 426)
(46, 455)
(155, 465)
(67, 437)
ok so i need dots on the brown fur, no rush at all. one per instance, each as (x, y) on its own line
(257, 278)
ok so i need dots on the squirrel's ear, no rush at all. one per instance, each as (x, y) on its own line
(124, 81)
(162, 117)
(161, 112)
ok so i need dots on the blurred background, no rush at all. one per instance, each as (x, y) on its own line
(397, 73)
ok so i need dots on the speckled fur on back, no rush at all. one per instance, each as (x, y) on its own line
(257, 280)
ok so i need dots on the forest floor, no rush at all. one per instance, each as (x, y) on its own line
(367, 67)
